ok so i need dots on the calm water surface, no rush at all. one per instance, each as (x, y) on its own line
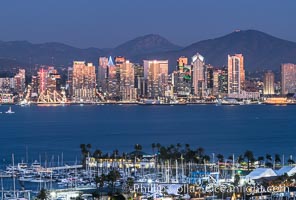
(51, 131)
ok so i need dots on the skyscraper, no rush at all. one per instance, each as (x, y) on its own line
(140, 82)
(288, 78)
(42, 80)
(20, 81)
(223, 81)
(102, 74)
(268, 82)
(84, 81)
(113, 81)
(181, 79)
(236, 74)
(156, 73)
(128, 91)
(198, 75)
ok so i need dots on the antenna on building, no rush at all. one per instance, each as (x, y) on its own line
(110, 61)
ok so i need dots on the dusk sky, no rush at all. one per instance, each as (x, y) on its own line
(108, 23)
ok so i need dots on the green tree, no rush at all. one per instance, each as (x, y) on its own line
(112, 177)
(260, 159)
(220, 158)
(277, 158)
(250, 158)
(43, 194)
(153, 145)
(158, 146)
(97, 153)
(236, 180)
(240, 159)
(99, 180)
(268, 158)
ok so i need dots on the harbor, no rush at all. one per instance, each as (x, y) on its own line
(172, 172)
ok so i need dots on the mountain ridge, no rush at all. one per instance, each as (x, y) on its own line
(261, 50)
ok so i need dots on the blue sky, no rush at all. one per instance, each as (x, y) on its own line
(108, 23)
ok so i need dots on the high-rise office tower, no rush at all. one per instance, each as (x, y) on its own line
(84, 81)
(223, 81)
(288, 78)
(156, 73)
(236, 74)
(102, 74)
(128, 91)
(112, 81)
(69, 83)
(268, 82)
(20, 81)
(140, 83)
(198, 75)
(181, 79)
(42, 80)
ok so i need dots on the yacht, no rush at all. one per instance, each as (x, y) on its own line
(9, 111)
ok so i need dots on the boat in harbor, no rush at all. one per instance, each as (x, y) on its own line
(228, 102)
(9, 111)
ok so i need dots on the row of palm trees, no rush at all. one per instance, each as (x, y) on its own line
(187, 154)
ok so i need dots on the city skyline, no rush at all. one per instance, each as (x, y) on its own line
(57, 21)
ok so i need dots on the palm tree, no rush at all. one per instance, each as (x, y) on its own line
(220, 158)
(97, 153)
(250, 157)
(268, 157)
(178, 145)
(129, 185)
(277, 158)
(260, 159)
(112, 177)
(200, 151)
(138, 147)
(240, 159)
(43, 194)
(206, 158)
(187, 146)
(158, 146)
(153, 145)
(269, 160)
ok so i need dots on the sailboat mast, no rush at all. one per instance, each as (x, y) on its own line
(13, 176)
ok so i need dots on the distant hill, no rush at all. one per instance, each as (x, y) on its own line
(261, 51)
(144, 45)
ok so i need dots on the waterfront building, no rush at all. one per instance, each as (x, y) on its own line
(288, 78)
(216, 74)
(198, 76)
(113, 78)
(84, 81)
(209, 79)
(69, 83)
(34, 86)
(53, 80)
(128, 92)
(6, 85)
(42, 80)
(181, 79)
(236, 74)
(268, 82)
(223, 81)
(20, 81)
(156, 73)
(102, 74)
(140, 82)
(48, 80)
